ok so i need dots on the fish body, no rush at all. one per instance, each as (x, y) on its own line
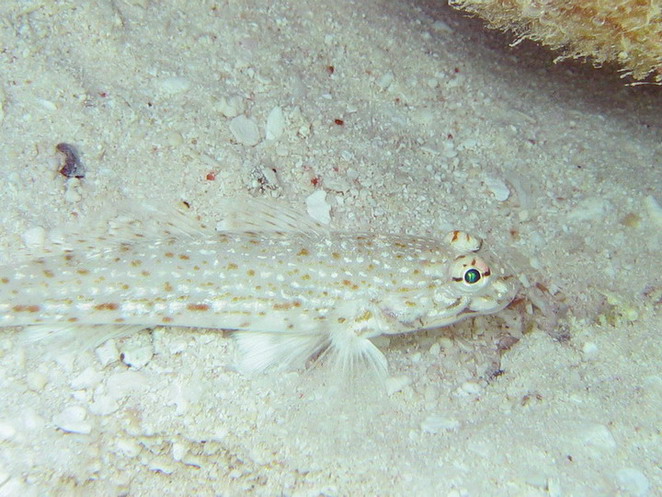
(292, 289)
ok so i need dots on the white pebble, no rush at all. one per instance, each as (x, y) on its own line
(554, 487)
(107, 353)
(162, 465)
(174, 138)
(177, 346)
(435, 423)
(65, 360)
(245, 131)
(386, 80)
(16, 486)
(72, 193)
(498, 188)
(128, 447)
(7, 430)
(423, 117)
(275, 124)
(590, 209)
(83, 396)
(46, 104)
(89, 378)
(103, 405)
(435, 349)
(138, 357)
(178, 451)
(654, 210)
(174, 84)
(72, 420)
(318, 208)
(348, 156)
(337, 184)
(535, 478)
(396, 383)
(304, 130)
(124, 383)
(470, 388)
(31, 420)
(34, 237)
(442, 27)
(633, 482)
(231, 106)
(36, 381)
(468, 144)
(596, 435)
(449, 150)
(282, 151)
(430, 394)
(589, 351)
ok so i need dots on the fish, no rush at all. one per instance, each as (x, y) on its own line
(292, 290)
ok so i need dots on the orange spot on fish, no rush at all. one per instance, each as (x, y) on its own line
(197, 307)
(26, 308)
(108, 306)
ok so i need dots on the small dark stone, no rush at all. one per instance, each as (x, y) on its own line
(72, 167)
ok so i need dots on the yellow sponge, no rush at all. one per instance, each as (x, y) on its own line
(625, 32)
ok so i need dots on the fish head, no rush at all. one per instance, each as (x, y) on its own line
(469, 287)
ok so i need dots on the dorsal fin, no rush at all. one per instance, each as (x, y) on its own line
(156, 219)
(133, 222)
(252, 214)
(111, 226)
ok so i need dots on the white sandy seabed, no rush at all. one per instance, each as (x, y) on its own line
(397, 117)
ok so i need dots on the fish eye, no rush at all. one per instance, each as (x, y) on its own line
(472, 276)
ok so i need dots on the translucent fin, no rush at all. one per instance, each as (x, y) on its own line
(259, 351)
(251, 214)
(73, 338)
(168, 220)
(349, 354)
(130, 223)
(134, 223)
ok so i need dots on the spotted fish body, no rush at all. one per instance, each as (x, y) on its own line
(291, 288)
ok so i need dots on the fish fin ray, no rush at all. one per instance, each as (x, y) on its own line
(260, 351)
(252, 214)
(351, 354)
(74, 338)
